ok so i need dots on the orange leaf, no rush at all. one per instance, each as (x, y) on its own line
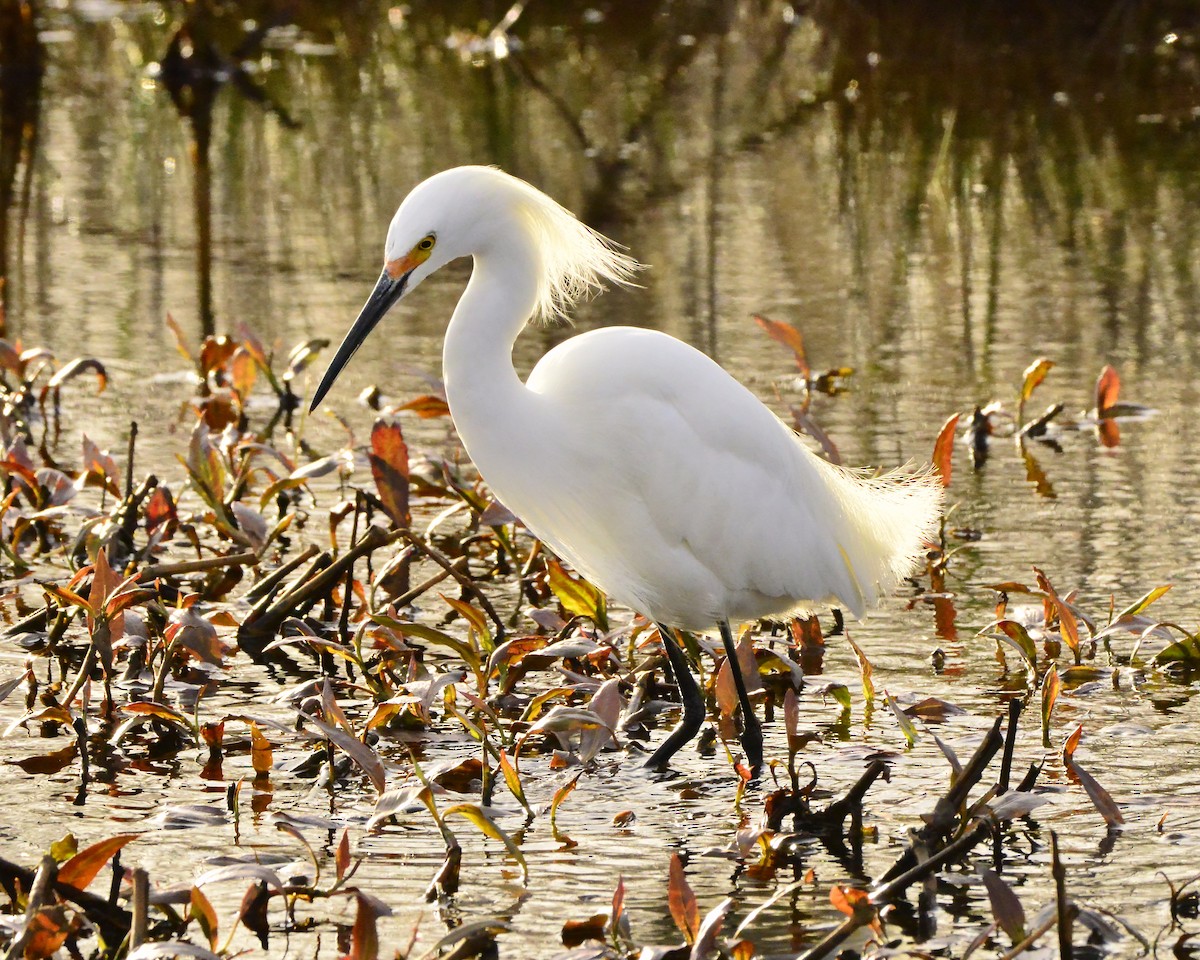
(850, 901)
(682, 901)
(1069, 745)
(427, 406)
(260, 751)
(82, 868)
(46, 931)
(943, 449)
(790, 337)
(1108, 387)
(1068, 627)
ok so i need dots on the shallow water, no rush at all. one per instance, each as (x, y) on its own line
(934, 206)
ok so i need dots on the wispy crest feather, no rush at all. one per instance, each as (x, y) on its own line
(577, 261)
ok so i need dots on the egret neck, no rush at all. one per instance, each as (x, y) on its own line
(487, 399)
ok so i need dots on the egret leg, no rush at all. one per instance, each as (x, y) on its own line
(689, 693)
(752, 736)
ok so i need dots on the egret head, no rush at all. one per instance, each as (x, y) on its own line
(465, 211)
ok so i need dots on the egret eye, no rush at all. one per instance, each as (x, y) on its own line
(426, 244)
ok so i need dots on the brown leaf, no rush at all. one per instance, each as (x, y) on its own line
(790, 337)
(943, 449)
(682, 901)
(389, 467)
(560, 795)
(82, 868)
(1108, 388)
(1099, 796)
(48, 763)
(1006, 908)
(618, 902)
(253, 913)
(356, 750)
(160, 509)
(1109, 434)
(575, 932)
(364, 936)
(243, 371)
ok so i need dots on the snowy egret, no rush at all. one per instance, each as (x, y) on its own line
(634, 456)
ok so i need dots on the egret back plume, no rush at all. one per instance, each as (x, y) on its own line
(576, 260)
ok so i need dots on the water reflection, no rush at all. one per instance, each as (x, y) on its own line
(193, 70)
(935, 193)
(21, 68)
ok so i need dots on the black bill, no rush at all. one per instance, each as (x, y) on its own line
(387, 291)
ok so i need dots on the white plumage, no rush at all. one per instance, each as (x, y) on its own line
(634, 456)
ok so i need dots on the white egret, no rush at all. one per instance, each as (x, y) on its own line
(634, 456)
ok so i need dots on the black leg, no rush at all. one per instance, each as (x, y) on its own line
(752, 737)
(689, 693)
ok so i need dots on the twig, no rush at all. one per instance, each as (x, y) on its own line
(973, 835)
(39, 894)
(265, 621)
(1010, 743)
(1037, 933)
(463, 580)
(30, 624)
(133, 432)
(141, 908)
(112, 920)
(1066, 918)
(946, 811)
(851, 803)
(275, 577)
(406, 598)
(834, 939)
(247, 559)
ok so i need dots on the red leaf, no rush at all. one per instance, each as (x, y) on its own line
(389, 467)
(343, 854)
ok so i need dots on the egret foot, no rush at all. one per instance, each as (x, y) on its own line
(752, 736)
(689, 693)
